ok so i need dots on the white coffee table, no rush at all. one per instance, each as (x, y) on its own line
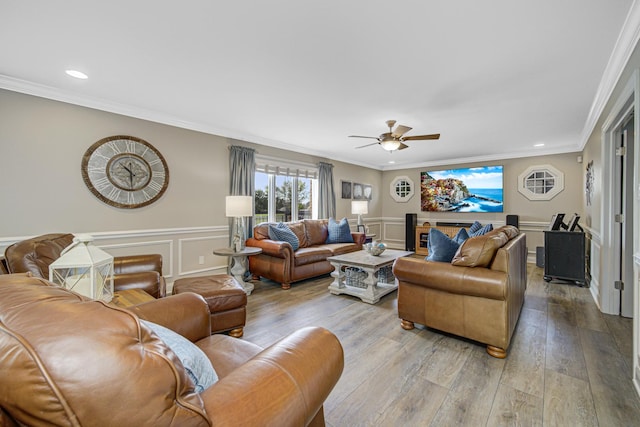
(369, 288)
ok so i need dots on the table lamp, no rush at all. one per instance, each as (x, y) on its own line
(359, 207)
(238, 207)
(85, 269)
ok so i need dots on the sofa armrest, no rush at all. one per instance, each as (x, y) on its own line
(186, 313)
(474, 281)
(358, 238)
(273, 248)
(284, 385)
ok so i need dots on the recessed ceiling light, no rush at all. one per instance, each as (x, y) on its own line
(391, 162)
(77, 74)
(541, 144)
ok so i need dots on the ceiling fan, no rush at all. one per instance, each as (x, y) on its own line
(394, 139)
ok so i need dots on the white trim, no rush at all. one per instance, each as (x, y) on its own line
(622, 51)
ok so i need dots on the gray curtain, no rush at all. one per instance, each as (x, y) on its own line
(327, 196)
(242, 182)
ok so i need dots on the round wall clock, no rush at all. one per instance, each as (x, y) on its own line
(125, 171)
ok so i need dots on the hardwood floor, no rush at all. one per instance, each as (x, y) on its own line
(568, 365)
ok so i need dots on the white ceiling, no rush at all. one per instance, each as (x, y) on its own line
(494, 77)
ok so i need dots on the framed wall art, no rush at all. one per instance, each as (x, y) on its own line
(346, 189)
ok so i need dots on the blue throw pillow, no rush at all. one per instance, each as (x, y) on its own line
(461, 236)
(339, 232)
(283, 233)
(474, 227)
(442, 248)
(195, 362)
(483, 230)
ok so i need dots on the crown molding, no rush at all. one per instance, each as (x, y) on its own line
(622, 51)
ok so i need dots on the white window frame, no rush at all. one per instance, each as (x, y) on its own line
(525, 185)
(402, 198)
(273, 166)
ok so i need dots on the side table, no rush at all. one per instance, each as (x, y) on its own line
(238, 264)
(129, 297)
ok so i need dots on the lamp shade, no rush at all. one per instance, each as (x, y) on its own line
(359, 207)
(239, 206)
(85, 269)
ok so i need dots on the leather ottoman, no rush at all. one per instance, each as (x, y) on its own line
(227, 301)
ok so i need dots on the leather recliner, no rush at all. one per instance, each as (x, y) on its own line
(130, 272)
(68, 360)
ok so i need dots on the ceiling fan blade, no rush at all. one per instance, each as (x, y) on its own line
(358, 136)
(373, 143)
(421, 137)
(401, 130)
(402, 146)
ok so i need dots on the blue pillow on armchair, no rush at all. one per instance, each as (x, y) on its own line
(442, 248)
(339, 232)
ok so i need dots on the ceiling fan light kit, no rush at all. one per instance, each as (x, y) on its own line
(394, 139)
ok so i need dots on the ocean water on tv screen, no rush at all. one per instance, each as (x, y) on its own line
(487, 200)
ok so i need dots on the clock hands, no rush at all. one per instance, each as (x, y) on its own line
(131, 174)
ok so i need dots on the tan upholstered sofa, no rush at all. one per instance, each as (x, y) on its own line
(478, 295)
(67, 360)
(280, 263)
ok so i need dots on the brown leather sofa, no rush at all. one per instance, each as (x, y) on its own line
(280, 263)
(130, 272)
(479, 295)
(67, 360)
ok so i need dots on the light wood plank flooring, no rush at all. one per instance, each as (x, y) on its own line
(568, 365)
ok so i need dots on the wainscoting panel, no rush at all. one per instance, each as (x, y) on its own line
(195, 255)
(181, 248)
(393, 232)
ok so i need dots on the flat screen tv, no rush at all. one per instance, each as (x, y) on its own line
(477, 189)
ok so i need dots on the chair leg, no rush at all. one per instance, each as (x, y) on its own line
(496, 352)
(407, 324)
(286, 286)
(237, 332)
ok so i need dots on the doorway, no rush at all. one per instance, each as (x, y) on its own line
(623, 213)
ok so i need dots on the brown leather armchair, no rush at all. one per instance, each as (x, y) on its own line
(479, 295)
(95, 364)
(132, 271)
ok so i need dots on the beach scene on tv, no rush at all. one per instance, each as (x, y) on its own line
(462, 190)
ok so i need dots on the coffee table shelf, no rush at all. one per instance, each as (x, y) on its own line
(370, 289)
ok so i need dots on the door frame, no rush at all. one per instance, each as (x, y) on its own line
(627, 101)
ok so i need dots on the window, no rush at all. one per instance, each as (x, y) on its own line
(401, 189)
(541, 182)
(285, 190)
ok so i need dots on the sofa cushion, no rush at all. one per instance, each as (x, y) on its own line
(442, 248)
(479, 251)
(339, 232)
(282, 233)
(300, 231)
(311, 254)
(483, 230)
(317, 231)
(461, 236)
(475, 227)
(195, 362)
